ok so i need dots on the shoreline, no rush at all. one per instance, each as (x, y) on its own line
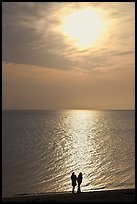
(122, 195)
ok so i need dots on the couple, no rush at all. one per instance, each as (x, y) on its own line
(75, 179)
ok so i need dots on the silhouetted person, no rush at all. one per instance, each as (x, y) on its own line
(79, 180)
(73, 179)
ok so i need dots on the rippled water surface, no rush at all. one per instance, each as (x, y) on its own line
(40, 150)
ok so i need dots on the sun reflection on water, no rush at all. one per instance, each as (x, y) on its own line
(81, 137)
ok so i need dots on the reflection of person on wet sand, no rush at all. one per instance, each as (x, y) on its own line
(79, 180)
(73, 179)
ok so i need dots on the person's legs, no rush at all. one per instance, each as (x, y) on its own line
(78, 188)
(73, 189)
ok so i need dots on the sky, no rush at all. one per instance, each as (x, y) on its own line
(68, 55)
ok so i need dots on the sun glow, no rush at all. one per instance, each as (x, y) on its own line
(83, 27)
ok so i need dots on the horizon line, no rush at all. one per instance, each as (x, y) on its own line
(61, 109)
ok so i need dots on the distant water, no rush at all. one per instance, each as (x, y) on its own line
(40, 150)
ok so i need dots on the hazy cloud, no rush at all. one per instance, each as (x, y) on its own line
(42, 69)
(31, 35)
(32, 87)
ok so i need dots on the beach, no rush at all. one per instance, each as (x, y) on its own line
(124, 195)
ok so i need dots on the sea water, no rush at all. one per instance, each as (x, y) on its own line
(41, 149)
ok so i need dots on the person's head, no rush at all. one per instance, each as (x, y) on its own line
(73, 173)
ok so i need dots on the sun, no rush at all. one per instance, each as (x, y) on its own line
(83, 27)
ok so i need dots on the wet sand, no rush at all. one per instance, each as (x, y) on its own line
(126, 195)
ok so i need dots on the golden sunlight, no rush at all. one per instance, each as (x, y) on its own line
(83, 27)
(80, 125)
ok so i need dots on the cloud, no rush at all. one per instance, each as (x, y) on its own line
(33, 87)
(31, 35)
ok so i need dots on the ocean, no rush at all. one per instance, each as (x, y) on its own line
(41, 149)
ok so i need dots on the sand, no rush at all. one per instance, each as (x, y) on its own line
(126, 195)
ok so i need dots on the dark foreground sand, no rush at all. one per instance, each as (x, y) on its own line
(127, 195)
